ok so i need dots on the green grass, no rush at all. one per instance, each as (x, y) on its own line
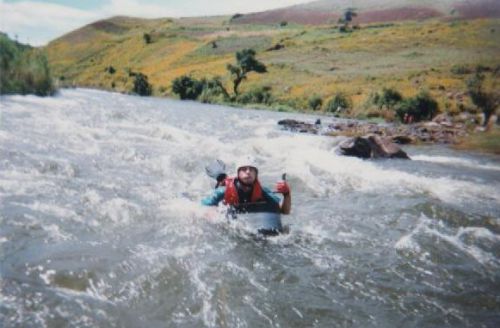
(488, 142)
(232, 44)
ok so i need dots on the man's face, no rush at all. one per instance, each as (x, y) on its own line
(247, 175)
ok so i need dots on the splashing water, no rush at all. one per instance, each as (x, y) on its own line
(100, 223)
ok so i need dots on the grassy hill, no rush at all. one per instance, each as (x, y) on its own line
(434, 54)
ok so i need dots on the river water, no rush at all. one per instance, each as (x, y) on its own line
(100, 223)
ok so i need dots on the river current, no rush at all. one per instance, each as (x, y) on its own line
(101, 223)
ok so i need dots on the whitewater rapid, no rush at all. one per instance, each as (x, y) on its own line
(101, 223)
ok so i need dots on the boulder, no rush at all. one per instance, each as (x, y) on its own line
(385, 148)
(372, 146)
(288, 122)
(298, 126)
(357, 147)
(402, 139)
(442, 119)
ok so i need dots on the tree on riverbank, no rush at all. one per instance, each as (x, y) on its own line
(488, 102)
(23, 69)
(339, 103)
(419, 108)
(245, 63)
(388, 98)
(189, 88)
(141, 85)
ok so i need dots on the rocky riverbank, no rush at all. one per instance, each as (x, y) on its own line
(441, 130)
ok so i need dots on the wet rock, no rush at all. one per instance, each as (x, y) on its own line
(372, 147)
(298, 126)
(357, 147)
(430, 125)
(441, 118)
(288, 122)
(402, 139)
(385, 148)
(441, 130)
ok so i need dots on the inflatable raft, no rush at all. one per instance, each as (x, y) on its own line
(263, 223)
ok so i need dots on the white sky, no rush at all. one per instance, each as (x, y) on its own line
(37, 22)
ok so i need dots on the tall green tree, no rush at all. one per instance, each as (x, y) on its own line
(245, 63)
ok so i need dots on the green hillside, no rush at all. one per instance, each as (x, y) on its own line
(436, 55)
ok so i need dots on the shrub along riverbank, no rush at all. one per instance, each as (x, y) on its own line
(23, 69)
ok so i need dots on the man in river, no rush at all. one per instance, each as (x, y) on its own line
(245, 194)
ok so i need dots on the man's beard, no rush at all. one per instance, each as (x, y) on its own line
(248, 185)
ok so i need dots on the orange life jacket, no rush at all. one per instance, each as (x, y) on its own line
(231, 194)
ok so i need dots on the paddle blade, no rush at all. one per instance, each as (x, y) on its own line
(216, 169)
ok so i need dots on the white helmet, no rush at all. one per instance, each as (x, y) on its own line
(247, 161)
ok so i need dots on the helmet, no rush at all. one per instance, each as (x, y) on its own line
(247, 161)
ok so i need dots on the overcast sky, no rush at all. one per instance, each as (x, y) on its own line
(38, 21)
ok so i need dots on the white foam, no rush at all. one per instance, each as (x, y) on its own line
(56, 233)
(482, 256)
(479, 233)
(306, 156)
(183, 208)
(53, 210)
(455, 161)
(4, 135)
(92, 292)
(205, 293)
(91, 197)
(47, 276)
(119, 210)
(407, 243)
(16, 182)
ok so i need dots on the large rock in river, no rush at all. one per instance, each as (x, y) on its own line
(299, 126)
(372, 147)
